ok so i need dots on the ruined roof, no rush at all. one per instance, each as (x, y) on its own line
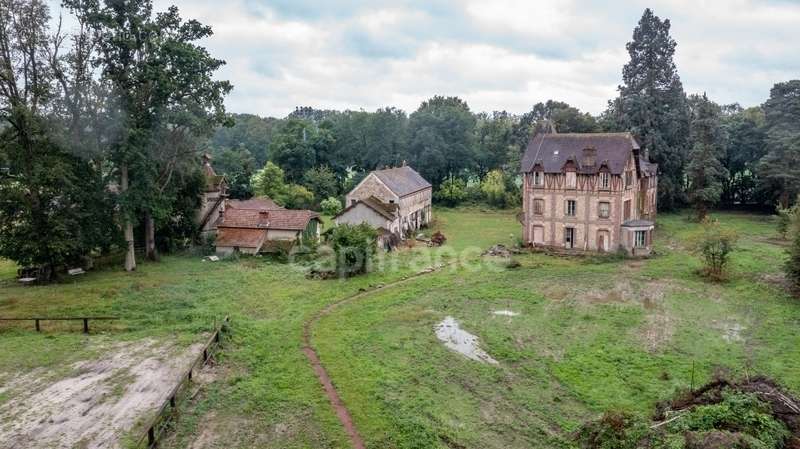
(241, 237)
(402, 180)
(553, 151)
(386, 210)
(261, 203)
(291, 220)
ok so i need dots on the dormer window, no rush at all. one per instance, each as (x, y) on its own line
(538, 178)
(605, 180)
(572, 179)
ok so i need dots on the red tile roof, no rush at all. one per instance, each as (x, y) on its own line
(291, 220)
(243, 238)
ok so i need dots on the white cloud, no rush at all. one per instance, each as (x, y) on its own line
(504, 54)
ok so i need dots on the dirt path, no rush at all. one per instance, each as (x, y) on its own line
(324, 378)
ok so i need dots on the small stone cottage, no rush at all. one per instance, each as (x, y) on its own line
(589, 192)
(261, 226)
(396, 201)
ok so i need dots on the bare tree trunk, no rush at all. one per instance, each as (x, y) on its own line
(130, 255)
(150, 237)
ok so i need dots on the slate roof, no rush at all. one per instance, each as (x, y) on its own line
(552, 151)
(241, 237)
(386, 210)
(402, 180)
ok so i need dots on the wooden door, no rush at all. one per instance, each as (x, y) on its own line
(538, 235)
(569, 238)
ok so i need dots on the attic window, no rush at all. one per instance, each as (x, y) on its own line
(589, 157)
(555, 153)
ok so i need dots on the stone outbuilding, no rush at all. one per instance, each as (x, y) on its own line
(398, 200)
(588, 192)
(261, 226)
(212, 201)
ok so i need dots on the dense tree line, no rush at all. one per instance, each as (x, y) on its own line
(709, 155)
(99, 130)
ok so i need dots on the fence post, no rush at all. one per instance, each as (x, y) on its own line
(37, 326)
(86, 325)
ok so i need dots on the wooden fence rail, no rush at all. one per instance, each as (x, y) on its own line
(169, 408)
(85, 320)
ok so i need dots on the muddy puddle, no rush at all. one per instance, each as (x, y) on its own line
(450, 333)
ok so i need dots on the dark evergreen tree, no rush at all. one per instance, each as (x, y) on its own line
(652, 105)
(705, 171)
(780, 167)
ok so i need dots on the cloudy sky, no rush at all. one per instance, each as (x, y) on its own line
(497, 55)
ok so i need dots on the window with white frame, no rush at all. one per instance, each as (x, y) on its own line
(538, 178)
(569, 208)
(604, 209)
(640, 239)
(572, 179)
(605, 181)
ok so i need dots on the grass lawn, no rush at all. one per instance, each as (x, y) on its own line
(591, 334)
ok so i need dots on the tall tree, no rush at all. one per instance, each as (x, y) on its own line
(163, 97)
(781, 165)
(705, 170)
(299, 145)
(53, 203)
(653, 106)
(494, 137)
(442, 138)
(745, 145)
(249, 132)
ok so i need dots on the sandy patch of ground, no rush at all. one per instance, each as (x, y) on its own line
(98, 403)
(450, 333)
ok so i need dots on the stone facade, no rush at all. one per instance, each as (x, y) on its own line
(401, 186)
(584, 209)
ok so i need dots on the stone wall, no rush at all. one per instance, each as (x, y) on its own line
(371, 186)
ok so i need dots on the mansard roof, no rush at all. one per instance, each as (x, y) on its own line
(552, 152)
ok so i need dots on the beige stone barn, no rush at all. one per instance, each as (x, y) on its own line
(398, 200)
(259, 225)
(589, 192)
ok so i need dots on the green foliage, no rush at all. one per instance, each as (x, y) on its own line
(791, 221)
(714, 244)
(237, 165)
(442, 138)
(493, 187)
(452, 192)
(745, 145)
(614, 430)
(738, 412)
(354, 247)
(269, 181)
(331, 206)
(705, 171)
(779, 166)
(299, 145)
(786, 217)
(321, 181)
(249, 134)
(652, 105)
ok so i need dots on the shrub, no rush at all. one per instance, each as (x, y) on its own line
(354, 247)
(792, 267)
(714, 244)
(493, 188)
(331, 206)
(785, 219)
(452, 192)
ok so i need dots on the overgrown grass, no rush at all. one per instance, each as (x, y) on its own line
(590, 336)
